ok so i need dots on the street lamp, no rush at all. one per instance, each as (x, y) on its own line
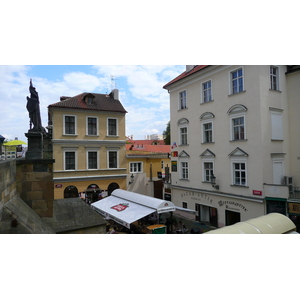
(213, 181)
(131, 179)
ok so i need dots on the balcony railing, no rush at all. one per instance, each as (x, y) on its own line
(295, 193)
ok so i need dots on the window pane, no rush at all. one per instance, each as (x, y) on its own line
(92, 160)
(92, 126)
(70, 160)
(113, 163)
(69, 125)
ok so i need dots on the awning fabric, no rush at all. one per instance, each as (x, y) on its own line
(126, 207)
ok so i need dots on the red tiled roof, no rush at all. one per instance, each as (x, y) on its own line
(148, 148)
(186, 74)
(101, 102)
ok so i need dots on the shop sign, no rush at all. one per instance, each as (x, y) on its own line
(258, 193)
(197, 196)
(232, 205)
(58, 185)
(294, 208)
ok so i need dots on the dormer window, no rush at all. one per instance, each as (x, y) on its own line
(89, 99)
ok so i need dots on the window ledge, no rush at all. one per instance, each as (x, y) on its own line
(275, 140)
(244, 91)
(113, 136)
(207, 143)
(245, 140)
(183, 145)
(182, 109)
(67, 134)
(240, 186)
(184, 179)
(207, 102)
(91, 135)
(278, 91)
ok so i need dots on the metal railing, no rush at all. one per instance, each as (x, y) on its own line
(295, 193)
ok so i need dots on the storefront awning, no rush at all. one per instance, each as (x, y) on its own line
(126, 207)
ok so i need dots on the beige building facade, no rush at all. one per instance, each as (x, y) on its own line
(88, 138)
(235, 149)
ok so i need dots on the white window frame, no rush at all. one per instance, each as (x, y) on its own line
(180, 106)
(87, 158)
(237, 116)
(231, 80)
(108, 152)
(204, 170)
(276, 160)
(203, 131)
(239, 161)
(276, 78)
(64, 124)
(117, 126)
(184, 175)
(203, 90)
(64, 159)
(132, 167)
(87, 125)
(276, 125)
(183, 134)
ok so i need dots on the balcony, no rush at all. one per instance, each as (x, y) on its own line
(294, 193)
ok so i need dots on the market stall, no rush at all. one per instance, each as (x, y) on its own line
(126, 207)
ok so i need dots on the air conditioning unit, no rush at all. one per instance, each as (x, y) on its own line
(289, 180)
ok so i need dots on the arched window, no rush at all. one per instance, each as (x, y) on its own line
(113, 186)
(92, 193)
(71, 191)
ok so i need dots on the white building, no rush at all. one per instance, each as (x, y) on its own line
(238, 124)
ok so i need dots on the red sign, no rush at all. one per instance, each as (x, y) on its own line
(120, 207)
(58, 185)
(258, 193)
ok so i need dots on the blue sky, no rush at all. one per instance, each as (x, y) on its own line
(140, 87)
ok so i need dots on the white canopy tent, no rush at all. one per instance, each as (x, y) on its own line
(126, 207)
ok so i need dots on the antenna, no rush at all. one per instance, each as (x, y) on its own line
(112, 82)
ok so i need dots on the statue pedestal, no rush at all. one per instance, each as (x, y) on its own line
(35, 145)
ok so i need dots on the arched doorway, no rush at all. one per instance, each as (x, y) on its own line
(113, 186)
(92, 193)
(71, 191)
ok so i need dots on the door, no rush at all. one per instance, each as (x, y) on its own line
(232, 217)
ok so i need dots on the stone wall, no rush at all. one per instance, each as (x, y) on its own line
(8, 187)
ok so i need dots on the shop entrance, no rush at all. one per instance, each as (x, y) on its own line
(207, 214)
(278, 206)
(232, 217)
(71, 191)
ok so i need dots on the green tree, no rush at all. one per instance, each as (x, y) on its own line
(167, 134)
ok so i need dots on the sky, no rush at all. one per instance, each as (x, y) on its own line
(140, 90)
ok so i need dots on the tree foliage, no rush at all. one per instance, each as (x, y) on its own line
(167, 134)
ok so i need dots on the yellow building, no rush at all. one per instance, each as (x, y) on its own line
(88, 138)
(147, 163)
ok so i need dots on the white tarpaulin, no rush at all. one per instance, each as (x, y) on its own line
(127, 207)
(122, 211)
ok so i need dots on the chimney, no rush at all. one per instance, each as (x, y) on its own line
(114, 94)
(189, 68)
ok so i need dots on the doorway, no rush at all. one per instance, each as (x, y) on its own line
(232, 217)
(71, 191)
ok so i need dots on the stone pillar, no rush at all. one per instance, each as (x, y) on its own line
(35, 184)
(35, 145)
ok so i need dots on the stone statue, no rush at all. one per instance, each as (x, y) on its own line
(33, 107)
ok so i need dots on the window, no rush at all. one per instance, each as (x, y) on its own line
(70, 125)
(276, 124)
(184, 170)
(162, 164)
(274, 78)
(208, 171)
(70, 160)
(112, 127)
(237, 84)
(207, 133)
(183, 135)
(206, 91)
(92, 160)
(184, 205)
(92, 126)
(112, 159)
(238, 128)
(239, 174)
(136, 167)
(182, 100)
